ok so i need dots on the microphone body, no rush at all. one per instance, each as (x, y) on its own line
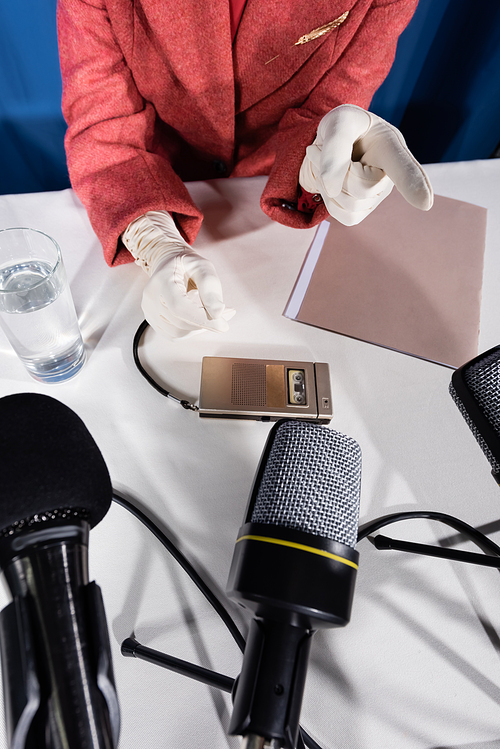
(59, 690)
(294, 566)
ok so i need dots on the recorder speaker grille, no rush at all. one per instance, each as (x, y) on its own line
(311, 482)
(248, 384)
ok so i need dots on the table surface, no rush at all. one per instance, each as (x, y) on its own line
(418, 666)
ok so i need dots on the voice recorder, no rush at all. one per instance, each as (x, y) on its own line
(265, 389)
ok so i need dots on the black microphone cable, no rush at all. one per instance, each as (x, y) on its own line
(468, 531)
(186, 565)
(135, 352)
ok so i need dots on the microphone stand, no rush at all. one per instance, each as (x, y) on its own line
(131, 648)
(456, 555)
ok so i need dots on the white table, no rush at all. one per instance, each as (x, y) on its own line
(418, 666)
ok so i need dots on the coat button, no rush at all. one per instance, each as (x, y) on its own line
(220, 167)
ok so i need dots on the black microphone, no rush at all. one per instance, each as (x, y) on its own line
(294, 566)
(475, 388)
(59, 689)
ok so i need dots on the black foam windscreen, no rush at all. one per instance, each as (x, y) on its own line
(311, 481)
(48, 461)
(475, 388)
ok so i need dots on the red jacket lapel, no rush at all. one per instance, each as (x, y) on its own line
(264, 52)
(183, 60)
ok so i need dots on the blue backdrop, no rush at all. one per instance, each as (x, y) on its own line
(443, 91)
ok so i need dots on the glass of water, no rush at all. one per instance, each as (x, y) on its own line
(36, 307)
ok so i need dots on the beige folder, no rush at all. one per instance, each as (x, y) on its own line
(404, 279)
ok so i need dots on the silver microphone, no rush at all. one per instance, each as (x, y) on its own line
(294, 567)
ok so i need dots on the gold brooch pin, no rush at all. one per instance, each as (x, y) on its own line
(316, 33)
(322, 30)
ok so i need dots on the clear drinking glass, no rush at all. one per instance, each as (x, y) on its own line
(36, 307)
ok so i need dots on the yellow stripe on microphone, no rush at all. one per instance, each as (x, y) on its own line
(302, 547)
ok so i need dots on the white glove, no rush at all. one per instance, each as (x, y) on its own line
(355, 161)
(184, 294)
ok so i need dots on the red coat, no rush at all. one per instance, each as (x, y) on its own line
(154, 94)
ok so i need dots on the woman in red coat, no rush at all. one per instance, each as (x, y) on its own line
(159, 92)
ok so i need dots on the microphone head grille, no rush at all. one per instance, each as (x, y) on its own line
(483, 379)
(311, 482)
(483, 382)
(49, 462)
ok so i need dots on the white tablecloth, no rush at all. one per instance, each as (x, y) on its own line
(418, 666)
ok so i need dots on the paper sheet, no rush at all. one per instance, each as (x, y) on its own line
(404, 279)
